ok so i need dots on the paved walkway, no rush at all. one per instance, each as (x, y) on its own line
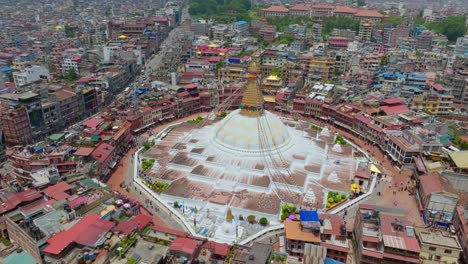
(119, 176)
(392, 185)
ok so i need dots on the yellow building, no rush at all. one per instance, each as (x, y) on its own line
(272, 84)
(319, 68)
(365, 29)
(232, 73)
(434, 104)
(437, 247)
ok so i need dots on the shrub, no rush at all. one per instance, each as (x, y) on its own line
(284, 216)
(241, 217)
(288, 208)
(343, 196)
(263, 221)
(331, 200)
(251, 219)
(296, 119)
(337, 198)
(176, 204)
(328, 205)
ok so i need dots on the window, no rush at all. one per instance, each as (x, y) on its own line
(448, 251)
(432, 249)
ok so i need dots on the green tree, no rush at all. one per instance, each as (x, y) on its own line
(395, 20)
(276, 72)
(69, 31)
(339, 23)
(452, 27)
(361, 2)
(70, 75)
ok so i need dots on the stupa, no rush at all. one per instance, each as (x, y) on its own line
(251, 161)
(251, 130)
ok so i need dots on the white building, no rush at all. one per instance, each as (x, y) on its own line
(68, 64)
(30, 75)
(462, 46)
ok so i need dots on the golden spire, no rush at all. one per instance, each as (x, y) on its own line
(252, 102)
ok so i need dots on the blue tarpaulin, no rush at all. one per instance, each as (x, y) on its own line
(309, 216)
(6, 69)
(332, 261)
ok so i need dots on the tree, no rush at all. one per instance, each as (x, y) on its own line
(285, 39)
(263, 221)
(70, 75)
(339, 23)
(452, 27)
(69, 31)
(395, 20)
(361, 2)
(276, 72)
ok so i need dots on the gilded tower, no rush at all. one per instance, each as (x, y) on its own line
(252, 102)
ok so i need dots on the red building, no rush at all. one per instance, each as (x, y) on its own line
(14, 121)
(104, 155)
(382, 237)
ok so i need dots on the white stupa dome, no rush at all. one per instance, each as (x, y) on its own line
(251, 135)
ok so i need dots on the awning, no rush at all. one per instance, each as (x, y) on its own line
(375, 169)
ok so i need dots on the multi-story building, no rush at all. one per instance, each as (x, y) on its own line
(461, 48)
(15, 125)
(392, 36)
(275, 11)
(345, 11)
(268, 33)
(402, 147)
(437, 101)
(460, 226)
(318, 68)
(53, 121)
(424, 40)
(438, 205)
(437, 247)
(32, 103)
(219, 32)
(272, 84)
(232, 72)
(320, 11)
(384, 237)
(365, 29)
(324, 231)
(299, 10)
(30, 75)
(241, 27)
(371, 15)
(70, 103)
(104, 154)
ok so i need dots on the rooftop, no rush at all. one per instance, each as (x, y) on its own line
(86, 232)
(460, 158)
(57, 191)
(294, 231)
(276, 9)
(427, 236)
(102, 152)
(431, 183)
(183, 244)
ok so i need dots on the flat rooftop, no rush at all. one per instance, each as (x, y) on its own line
(439, 239)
